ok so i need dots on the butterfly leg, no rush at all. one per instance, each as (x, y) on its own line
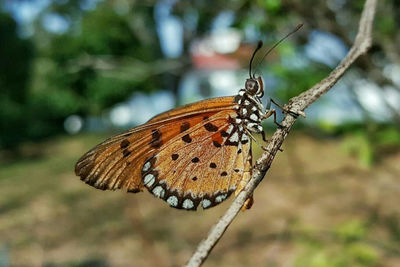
(263, 136)
(264, 139)
(285, 110)
(256, 141)
(269, 114)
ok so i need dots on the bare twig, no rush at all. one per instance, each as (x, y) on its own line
(296, 105)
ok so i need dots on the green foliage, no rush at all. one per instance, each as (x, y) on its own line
(271, 6)
(349, 248)
(386, 25)
(15, 63)
(388, 136)
(73, 73)
(351, 231)
(302, 78)
(357, 254)
(368, 144)
(83, 60)
(358, 144)
(363, 254)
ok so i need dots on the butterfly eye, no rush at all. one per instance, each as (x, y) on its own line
(251, 86)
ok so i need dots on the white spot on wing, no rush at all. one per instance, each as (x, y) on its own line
(230, 128)
(244, 111)
(146, 166)
(234, 137)
(173, 201)
(254, 108)
(206, 203)
(247, 102)
(238, 120)
(158, 191)
(244, 137)
(187, 204)
(221, 198)
(149, 180)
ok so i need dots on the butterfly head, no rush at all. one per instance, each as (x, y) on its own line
(254, 86)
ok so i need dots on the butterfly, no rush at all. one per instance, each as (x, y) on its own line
(191, 156)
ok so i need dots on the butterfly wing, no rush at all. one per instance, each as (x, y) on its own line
(203, 165)
(140, 157)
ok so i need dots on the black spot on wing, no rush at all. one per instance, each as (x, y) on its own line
(224, 133)
(185, 126)
(125, 143)
(156, 141)
(186, 138)
(126, 152)
(216, 144)
(210, 127)
(230, 143)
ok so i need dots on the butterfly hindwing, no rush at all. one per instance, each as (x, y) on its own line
(202, 165)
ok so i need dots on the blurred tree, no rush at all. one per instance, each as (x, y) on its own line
(112, 48)
(15, 63)
(99, 61)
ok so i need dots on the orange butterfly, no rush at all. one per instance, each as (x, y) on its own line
(194, 155)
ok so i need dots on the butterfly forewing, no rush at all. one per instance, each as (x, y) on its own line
(183, 156)
(114, 163)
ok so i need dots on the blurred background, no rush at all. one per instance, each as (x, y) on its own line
(73, 72)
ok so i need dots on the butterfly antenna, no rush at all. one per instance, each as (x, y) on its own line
(259, 45)
(276, 44)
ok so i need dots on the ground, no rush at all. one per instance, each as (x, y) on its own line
(316, 207)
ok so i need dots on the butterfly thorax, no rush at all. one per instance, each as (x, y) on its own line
(250, 111)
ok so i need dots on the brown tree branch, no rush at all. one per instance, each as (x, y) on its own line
(296, 105)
